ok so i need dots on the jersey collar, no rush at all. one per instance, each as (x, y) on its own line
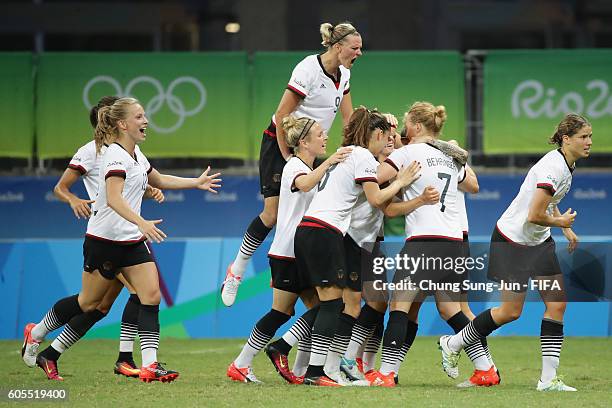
(338, 73)
(133, 157)
(570, 168)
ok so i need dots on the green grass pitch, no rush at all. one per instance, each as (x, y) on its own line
(89, 380)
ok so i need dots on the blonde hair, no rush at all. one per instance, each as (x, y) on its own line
(569, 126)
(296, 129)
(431, 117)
(107, 129)
(362, 123)
(331, 34)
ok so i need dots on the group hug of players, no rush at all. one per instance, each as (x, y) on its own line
(328, 220)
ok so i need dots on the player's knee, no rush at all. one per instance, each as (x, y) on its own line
(88, 305)
(378, 306)
(352, 309)
(150, 297)
(104, 307)
(511, 314)
(556, 308)
(268, 217)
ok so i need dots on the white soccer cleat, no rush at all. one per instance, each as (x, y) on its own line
(245, 375)
(351, 369)
(339, 377)
(229, 289)
(450, 359)
(554, 385)
(29, 349)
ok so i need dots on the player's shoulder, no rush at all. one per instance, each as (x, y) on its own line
(552, 161)
(114, 151)
(309, 63)
(88, 148)
(297, 164)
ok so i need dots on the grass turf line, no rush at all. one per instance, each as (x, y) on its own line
(87, 370)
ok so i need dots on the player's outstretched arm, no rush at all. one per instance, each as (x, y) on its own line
(168, 182)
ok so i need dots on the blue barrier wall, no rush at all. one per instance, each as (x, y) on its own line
(28, 208)
(34, 274)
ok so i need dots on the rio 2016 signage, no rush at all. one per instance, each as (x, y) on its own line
(533, 100)
(527, 93)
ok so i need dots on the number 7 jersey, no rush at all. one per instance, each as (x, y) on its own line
(438, 170)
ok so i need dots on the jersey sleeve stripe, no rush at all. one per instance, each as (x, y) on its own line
(390, 163)
(294, 189)
(464, 176)
(296, 91)
(115, 173)
(78, 168)
(346, 91)
(547, 186)
(150, 169)
(362, 180)
(280, 257)
(444, 237)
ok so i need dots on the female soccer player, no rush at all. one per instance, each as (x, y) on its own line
(522, 248)
(319, 245)
(86, 163)
(361, 244)
(116, 234)
(318, 88)
(433, 232)
(308, 141)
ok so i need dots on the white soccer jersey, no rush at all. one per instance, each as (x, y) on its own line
(321, 94)
(366, 225)
(438, 170)
(551, 172)
(87, 162)
(291, 207)
(105, 223)
(339, 189)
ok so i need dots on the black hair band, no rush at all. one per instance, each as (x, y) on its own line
(306, 129)
(353, 31)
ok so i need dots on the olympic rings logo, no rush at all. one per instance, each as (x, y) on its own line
(176, 105)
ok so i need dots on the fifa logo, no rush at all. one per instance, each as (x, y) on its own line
(163, 97)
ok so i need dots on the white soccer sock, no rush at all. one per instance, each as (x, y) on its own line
(240, 264)
(39, 332)
(246, 356)
(149, 356)
(369, 361)
(302, 357)
(386, 368)
(352, 351)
